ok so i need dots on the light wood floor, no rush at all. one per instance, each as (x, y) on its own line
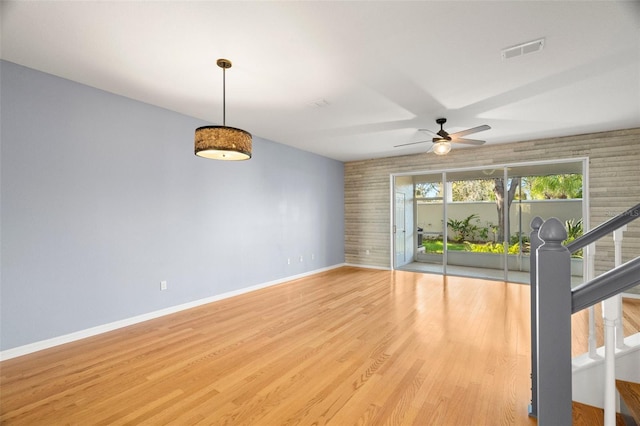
(345, 347)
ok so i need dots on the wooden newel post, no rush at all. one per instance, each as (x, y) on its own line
(553, 299)
(535, 242)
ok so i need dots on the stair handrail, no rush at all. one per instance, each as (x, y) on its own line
(604, 229)
(607, 285)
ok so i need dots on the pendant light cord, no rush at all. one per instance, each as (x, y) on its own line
(224, 64)
(224, 97)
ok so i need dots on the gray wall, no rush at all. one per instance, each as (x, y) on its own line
(102, 198)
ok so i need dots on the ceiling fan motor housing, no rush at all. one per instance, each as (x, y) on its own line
(442, 133)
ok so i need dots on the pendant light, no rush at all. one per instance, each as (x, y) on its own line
(222, 142)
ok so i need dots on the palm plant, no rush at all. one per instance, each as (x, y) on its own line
(464, 228)
(574, 230)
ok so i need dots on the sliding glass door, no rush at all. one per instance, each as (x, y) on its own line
(430, 222)
(476, 222)
(545, 190)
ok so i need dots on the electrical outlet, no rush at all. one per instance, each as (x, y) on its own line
(313, 256)
(368, 252)
(288, 261)
(300, 259)
(163, 285)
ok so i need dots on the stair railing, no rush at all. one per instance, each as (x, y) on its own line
(553, 302)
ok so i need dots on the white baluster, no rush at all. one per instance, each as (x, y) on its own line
(593, 345)
(590, 251)
(609, 308)
(612, 314)
(617, 241)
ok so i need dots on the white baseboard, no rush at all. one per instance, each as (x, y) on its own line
(93, 331)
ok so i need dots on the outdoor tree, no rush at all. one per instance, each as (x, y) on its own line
(499, 192)
(555, 186)
(427, 189)
(472, 190)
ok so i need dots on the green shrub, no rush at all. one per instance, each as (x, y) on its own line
(574, 230)
(483, 233)
(515, 239)
(495, 248)
(464, 229)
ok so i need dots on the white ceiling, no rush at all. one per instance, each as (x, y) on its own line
(378, 70)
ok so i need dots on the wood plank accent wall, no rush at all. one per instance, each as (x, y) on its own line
(614, 177)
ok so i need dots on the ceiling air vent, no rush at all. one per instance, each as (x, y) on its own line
(523, 49)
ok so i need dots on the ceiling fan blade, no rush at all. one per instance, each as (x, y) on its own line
(469, 131)
(468, 141)
(410, 143)
(432, 133)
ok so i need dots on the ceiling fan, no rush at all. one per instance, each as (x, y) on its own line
(442, 139)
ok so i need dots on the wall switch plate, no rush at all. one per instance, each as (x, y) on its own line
(301, 258)
(289, 261)
(368, 252)
(313, 256)
(163, 285)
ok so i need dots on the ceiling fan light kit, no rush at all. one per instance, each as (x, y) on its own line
(222, 142)
(441, 148)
